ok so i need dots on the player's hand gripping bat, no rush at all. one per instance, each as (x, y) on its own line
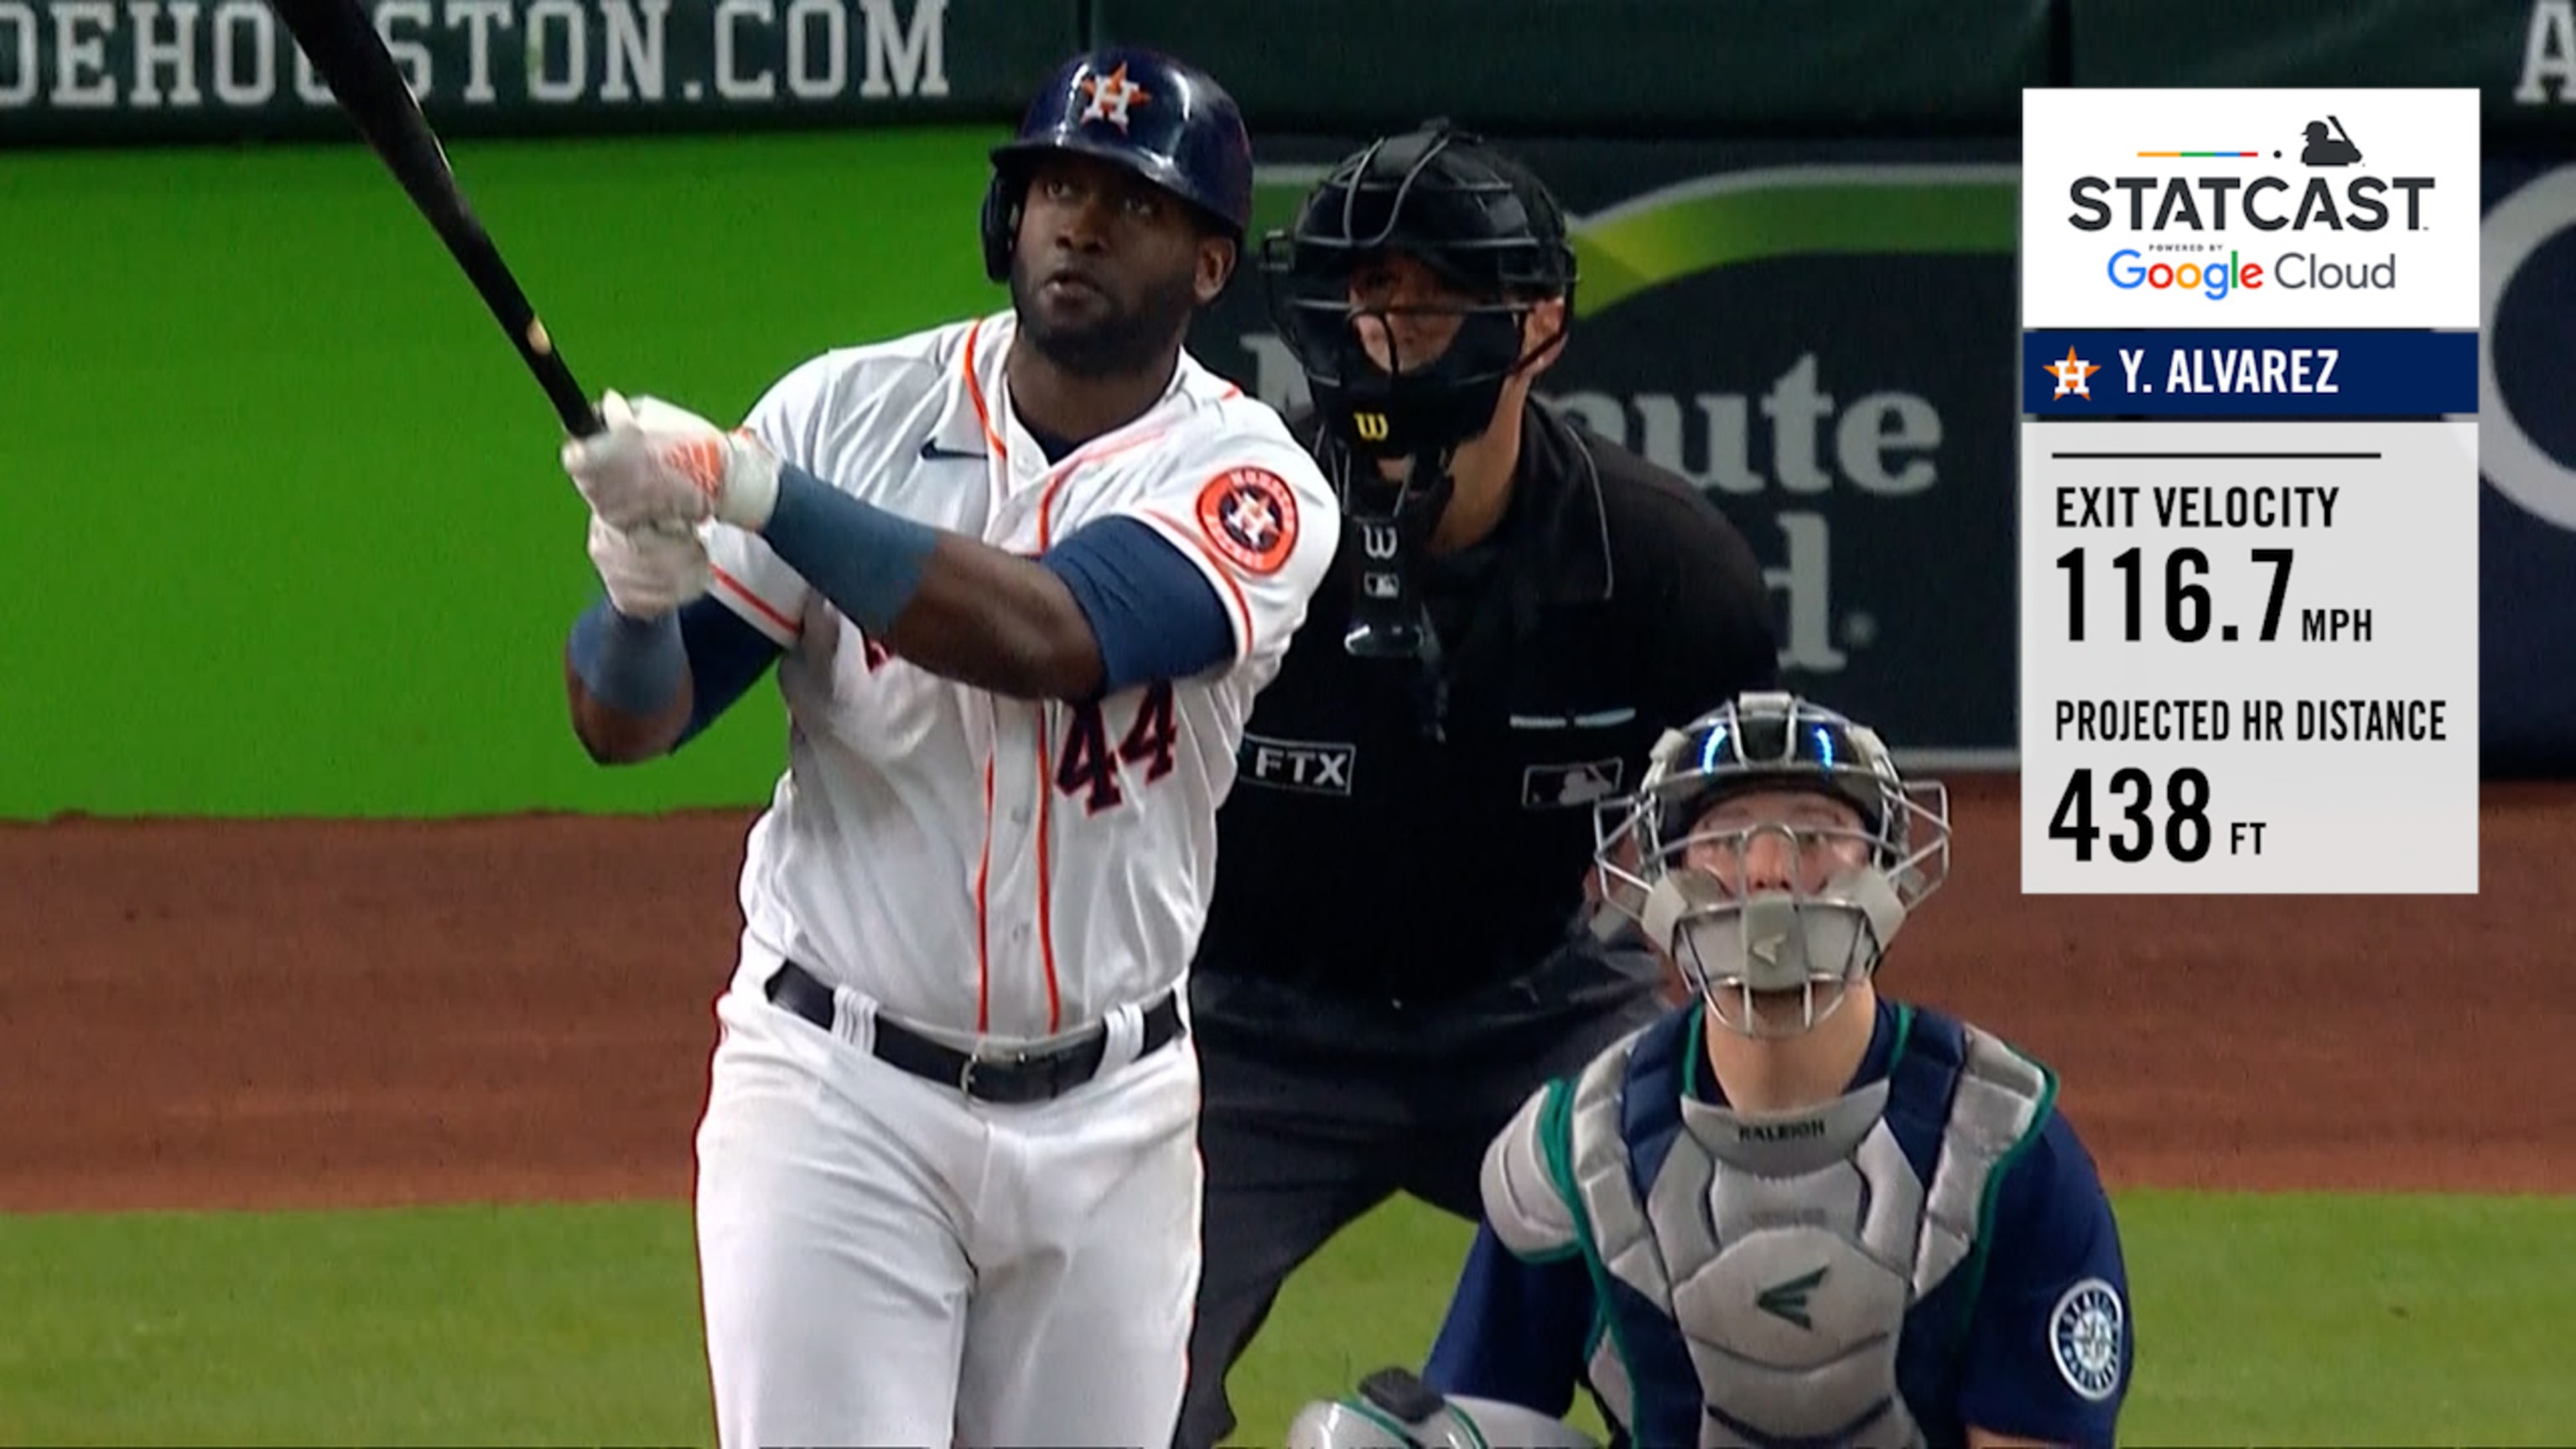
(346, 51)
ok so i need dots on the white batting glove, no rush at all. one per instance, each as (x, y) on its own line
(660, 464)
(649, 571)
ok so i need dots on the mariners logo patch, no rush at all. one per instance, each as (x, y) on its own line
(2084, 1336)
(1251, 517)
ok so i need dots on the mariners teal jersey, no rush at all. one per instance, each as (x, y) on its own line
(2032, 1337)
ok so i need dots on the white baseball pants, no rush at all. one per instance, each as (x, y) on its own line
(885, 1261)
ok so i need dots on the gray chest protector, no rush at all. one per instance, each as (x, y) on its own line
(1789, 1251)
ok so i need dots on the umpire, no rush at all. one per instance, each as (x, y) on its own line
(1397, 953)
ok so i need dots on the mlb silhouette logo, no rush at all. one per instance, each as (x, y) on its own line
(1566, 787)
(2329, 147)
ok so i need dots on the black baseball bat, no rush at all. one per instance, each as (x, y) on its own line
(346, 52)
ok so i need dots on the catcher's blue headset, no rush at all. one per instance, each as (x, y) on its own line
(1158, 117)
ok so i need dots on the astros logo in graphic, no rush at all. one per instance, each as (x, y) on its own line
(2071, 372)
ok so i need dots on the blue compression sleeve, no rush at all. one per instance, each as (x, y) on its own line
(636, 665)
(1154, 614)
(726, 657)
(865, 560)
(633, 665)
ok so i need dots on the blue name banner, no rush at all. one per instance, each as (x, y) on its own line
(2249, 372)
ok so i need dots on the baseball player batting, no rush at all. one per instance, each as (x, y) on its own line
(1791, 1211)
(1022, 577)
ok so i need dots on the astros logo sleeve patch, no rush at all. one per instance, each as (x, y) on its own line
(1251, 516)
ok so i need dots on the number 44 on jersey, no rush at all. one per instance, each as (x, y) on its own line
(1088, 769)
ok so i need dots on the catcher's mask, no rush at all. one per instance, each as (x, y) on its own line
(1746, 937)
(1489, 230)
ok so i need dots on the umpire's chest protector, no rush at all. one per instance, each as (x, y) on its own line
(1802, 1277)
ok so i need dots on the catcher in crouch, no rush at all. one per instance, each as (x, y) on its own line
(1792, 1210)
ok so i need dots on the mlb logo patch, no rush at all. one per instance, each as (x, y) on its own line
(1569, 786)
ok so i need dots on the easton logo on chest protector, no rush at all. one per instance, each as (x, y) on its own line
(1788, 1300)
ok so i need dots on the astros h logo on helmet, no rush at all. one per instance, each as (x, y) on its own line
(1111, 95)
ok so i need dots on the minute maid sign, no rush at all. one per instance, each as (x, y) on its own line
(1821, 338)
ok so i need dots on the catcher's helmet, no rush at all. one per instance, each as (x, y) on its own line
(1160, 118)
(1734, 938)
(1481, 220)
(1773, 741)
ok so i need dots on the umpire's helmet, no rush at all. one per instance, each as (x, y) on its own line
(1475, 216)
(1167, 121)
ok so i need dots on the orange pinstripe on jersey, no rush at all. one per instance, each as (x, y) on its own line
(1046, 875)
(759, 605)
(1064, 470)
(983, 926)
(975, 395)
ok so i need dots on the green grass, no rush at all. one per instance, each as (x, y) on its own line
(2277, 1320)
(2351, 1320)
(450, 1325)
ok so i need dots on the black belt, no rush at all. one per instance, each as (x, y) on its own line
(1012, 1077)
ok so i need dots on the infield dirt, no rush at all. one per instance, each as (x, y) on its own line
(330, 1014)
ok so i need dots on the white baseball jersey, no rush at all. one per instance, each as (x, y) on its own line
(984, 864)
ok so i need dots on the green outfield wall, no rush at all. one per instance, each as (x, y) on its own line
(320, 557)
(284, 529)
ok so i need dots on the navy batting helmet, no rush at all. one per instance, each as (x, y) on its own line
(1160, 118)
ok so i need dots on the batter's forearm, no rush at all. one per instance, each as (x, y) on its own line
(999, 622)
(615, 737)
(627, 683)
(951, 604)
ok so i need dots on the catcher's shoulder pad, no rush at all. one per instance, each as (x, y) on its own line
(1526, 1201)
